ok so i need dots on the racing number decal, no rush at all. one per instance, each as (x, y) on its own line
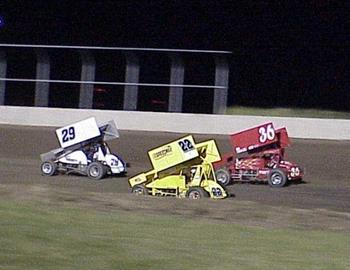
(68, 134)
(186, 145)
(266, 133)
(216, 192)
(294, 172)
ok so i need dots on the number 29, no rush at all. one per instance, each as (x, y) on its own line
(68, 134)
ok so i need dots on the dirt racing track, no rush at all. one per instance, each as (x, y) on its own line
(326, 184)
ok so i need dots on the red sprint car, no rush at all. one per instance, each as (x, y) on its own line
(258, 156)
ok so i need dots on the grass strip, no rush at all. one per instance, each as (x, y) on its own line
(287, 112)
(39, 236)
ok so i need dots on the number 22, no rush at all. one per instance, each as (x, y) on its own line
(186, 145)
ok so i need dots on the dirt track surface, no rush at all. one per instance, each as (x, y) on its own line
(326, 183)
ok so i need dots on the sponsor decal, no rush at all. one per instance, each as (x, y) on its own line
(162, 153)
(245, 149)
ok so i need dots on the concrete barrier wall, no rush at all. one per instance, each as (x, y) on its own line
(306, 128)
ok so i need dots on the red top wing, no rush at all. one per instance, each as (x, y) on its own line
(253, 138)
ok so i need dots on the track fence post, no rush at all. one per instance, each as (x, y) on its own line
(88, 67)
(177, 71)
(42, 73)
(221, 79)
(3, 67)
(132, 73)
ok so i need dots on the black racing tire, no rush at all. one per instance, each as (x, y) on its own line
(48, 168)
(96, 170)
(277, 178)
(223, 176)
(196, 193)
(139, 190)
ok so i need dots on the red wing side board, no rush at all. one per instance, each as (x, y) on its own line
(283, 138)
(253, 138)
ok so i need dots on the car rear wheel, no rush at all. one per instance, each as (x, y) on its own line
(223, 176)
(277, 178)
(196, 193)
(96, 170)
(48, 168)
(139, 190)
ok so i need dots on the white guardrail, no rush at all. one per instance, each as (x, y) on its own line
(305, 128)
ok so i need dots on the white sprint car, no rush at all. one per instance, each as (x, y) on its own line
(84, 151)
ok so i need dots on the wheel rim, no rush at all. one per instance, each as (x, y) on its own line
(276, 179)
(194, 195)
(47, 168)
(94, 171)
(222, 178)
(138, 190)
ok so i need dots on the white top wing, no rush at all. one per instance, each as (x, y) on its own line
(78, 132)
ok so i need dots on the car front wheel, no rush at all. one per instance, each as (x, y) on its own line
(96, 171)
(48, 168)
(139, 190)
(277, 178)
(223, 176)
(196, 193)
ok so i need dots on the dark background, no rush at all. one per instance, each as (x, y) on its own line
(285, 53)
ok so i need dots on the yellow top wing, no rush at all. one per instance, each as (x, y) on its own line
(173, 153)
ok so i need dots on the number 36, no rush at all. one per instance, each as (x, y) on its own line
(266, 133)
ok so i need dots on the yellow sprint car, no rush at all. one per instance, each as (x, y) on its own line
(181, 168)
